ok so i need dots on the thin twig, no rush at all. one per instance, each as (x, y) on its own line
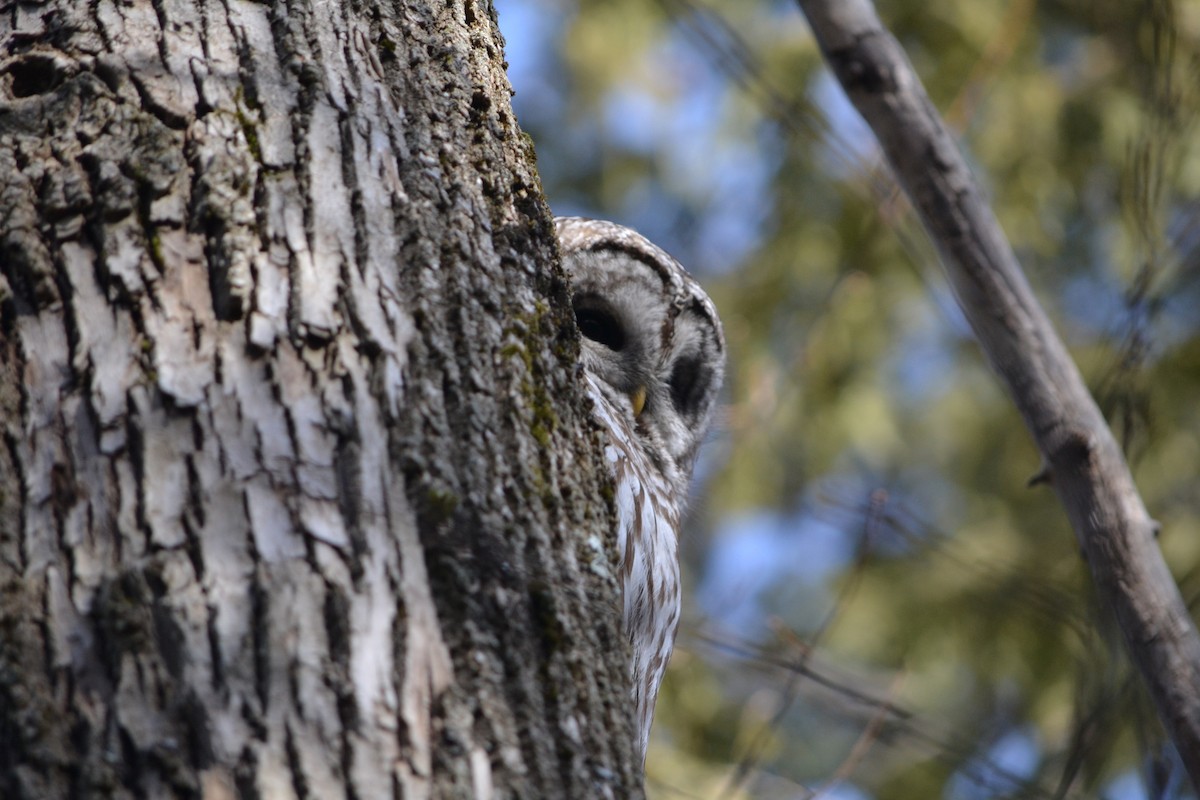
(859, 751)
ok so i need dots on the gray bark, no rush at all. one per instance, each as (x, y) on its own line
(298, 492)
(1083, 460)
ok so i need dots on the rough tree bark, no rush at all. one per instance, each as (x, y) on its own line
(1083, 460)
(298, 495)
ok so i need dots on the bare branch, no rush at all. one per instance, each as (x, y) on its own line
(1086, 466)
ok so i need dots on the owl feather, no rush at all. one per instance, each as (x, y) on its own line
(654, 357)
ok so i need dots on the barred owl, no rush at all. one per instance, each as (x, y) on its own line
(653, 357)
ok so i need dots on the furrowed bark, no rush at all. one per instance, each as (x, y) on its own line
(299, 496)
(1085, 463)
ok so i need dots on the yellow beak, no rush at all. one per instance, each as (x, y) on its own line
(638, 398)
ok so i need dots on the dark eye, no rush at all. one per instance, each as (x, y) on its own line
(687, 384)
(600, 325)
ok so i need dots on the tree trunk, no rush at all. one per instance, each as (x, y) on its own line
(298, 492)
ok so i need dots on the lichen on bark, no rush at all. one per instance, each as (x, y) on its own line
(298, 478)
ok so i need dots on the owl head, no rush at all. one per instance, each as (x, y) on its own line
(650, 335)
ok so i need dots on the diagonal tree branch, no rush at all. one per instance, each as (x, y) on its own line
(1083, 460)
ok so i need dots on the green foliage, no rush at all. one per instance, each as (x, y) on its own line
(857, 400)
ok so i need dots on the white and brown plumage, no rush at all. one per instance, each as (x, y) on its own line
(654, 357)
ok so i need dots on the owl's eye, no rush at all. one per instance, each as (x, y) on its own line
(601, 326)
(687, 384)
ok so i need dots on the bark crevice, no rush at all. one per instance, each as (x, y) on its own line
(299, 469)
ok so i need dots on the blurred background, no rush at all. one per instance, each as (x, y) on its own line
(878, 607)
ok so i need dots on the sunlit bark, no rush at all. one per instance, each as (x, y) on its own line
(298, 496)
